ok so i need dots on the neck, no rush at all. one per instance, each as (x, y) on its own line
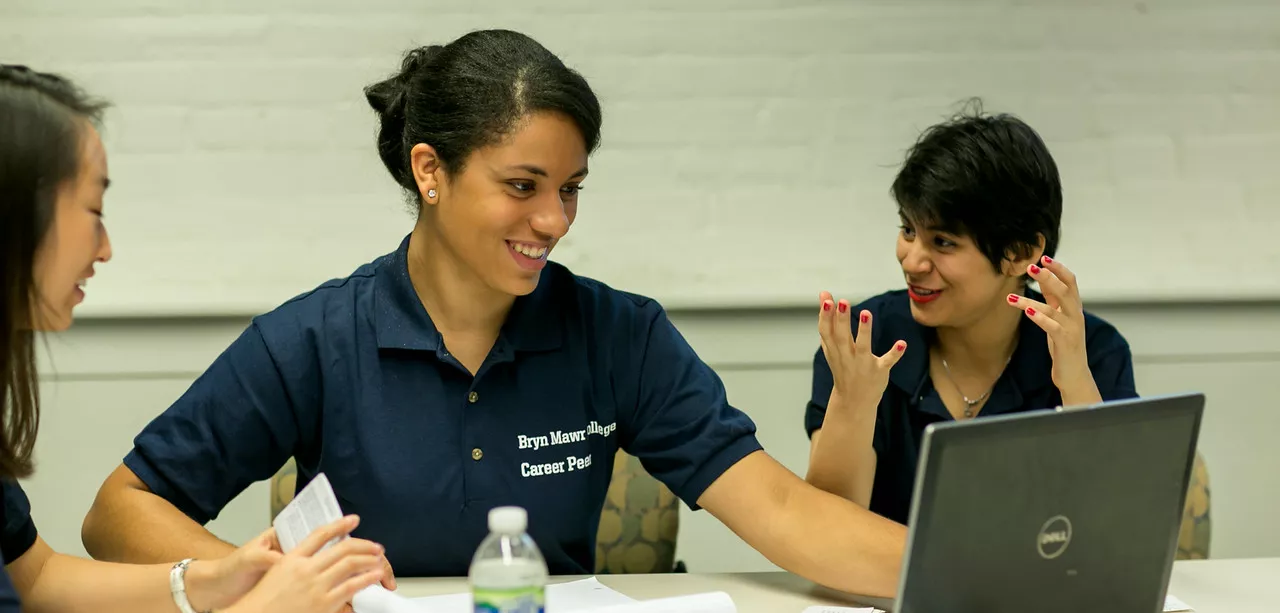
(985, 344)
(455, 297)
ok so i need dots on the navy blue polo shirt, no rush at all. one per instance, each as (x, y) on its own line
(910, 402)
(352, 379)
(17, 535)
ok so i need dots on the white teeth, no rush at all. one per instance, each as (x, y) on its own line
(529, 250)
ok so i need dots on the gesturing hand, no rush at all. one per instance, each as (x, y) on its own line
(858, 374)
(1062, 320)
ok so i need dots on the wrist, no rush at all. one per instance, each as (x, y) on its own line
(204, 585)
(1080, 390)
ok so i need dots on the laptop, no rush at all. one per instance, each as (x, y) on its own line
(1051, 510)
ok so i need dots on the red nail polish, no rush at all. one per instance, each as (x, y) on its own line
(1035, 270)
(844, 306)
(864, 318)
(1013, 299)
(1047, 260)
(1031, 311)
(900, 347)
(826, 306)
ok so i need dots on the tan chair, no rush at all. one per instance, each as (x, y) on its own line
(1193, 537)
(638, 524)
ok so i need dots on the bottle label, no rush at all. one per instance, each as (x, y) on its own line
(517, 600)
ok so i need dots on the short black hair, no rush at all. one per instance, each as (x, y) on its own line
(471, 93)
(988, 177)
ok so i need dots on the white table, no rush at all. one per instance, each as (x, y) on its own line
(1212, 586)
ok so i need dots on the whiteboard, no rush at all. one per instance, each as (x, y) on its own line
(747, 150)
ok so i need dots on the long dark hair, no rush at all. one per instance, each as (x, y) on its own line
(470, 93)
(42, 121)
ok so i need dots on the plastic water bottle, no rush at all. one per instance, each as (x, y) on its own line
(508, 573)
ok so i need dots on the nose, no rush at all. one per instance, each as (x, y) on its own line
(916, 260)
(551, 218)
(104, 247)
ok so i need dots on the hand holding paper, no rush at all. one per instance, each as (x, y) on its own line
(320, 574)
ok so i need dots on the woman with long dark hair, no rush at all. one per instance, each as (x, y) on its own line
(53, 174)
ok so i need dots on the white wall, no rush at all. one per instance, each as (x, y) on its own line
(755, 137)
(108, 378)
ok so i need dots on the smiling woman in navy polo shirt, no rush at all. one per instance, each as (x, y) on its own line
(463, 370)
(980, 203)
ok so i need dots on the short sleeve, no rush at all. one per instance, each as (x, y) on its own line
(19, 530)
(816, 410)
(237, 424)
(1113, 369)
(681, 425)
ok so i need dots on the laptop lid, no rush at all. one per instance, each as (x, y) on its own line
(1047, 511)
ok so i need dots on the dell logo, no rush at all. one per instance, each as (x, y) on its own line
(1054, 537)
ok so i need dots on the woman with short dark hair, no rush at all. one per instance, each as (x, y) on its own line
(981, 204)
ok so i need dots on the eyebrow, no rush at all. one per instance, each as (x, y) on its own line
(534, 170)
(105, 183)
(934, 227)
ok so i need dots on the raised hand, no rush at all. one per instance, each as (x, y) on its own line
(859, 375)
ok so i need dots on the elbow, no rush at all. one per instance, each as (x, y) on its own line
(101, 523)
(93, 531)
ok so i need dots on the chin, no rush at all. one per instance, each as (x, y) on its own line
(520, 286)
(927, 319)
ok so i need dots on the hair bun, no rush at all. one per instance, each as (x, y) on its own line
(388, 97)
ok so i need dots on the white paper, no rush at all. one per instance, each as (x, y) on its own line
(710, 602)
(826, 609)
(1172, 604)
(377, 599)
(314, 507)
(582, 596)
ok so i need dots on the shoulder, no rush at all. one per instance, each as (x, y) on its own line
(331, 306)
(598, 303)
(1101, 337)
(324, 298)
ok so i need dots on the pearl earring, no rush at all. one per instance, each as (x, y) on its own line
(431, 193)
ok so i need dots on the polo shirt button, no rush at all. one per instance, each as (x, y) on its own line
(476, 454)
(472, 398)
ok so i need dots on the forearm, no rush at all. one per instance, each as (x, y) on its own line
(833, 542)
(138, 527)
(1081, 393)
(72, 585)
(809, 532)
(843, 461)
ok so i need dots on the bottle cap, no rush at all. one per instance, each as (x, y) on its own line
(508, 520)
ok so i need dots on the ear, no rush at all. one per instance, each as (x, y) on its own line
(1015, 266)
(427, 172)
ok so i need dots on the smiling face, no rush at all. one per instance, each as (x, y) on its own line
(950, 281)
(75, 241)
(502, 215)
